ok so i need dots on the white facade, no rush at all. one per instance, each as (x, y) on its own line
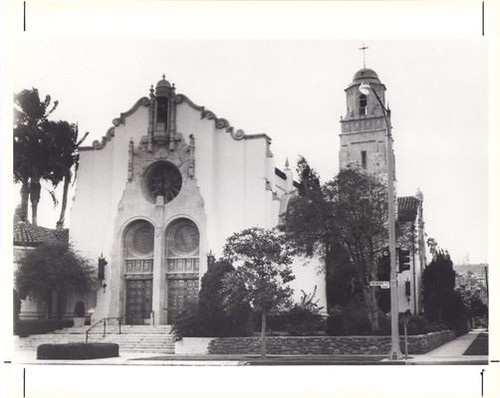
(164, 188)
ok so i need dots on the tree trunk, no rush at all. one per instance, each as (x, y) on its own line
(67, 179)
(35, 188)
(25, 194)
(263, 335)
(374, 309)
(371, 306)
(49, 306)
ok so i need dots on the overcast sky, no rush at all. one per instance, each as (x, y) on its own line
(294, 92)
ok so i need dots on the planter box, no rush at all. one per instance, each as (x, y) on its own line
(193, 345)
(78, 321)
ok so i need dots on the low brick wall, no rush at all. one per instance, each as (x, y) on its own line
(334, 345)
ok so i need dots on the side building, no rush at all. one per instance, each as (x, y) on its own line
(27, 237)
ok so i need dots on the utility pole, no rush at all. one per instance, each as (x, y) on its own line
(395, 352)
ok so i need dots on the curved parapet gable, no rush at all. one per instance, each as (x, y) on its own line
(144, 101)
(96, 144)
(220, 123)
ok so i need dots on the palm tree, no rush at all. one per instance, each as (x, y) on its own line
(31, 146)
(63, 158)
(43, 150)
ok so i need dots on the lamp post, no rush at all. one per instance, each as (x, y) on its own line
(395, 352)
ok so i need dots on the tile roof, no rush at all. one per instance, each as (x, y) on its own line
(26, 234)
(408, 208)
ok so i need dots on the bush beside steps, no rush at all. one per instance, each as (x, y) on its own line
(77, 351)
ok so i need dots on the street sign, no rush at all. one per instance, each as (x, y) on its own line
(381, 284)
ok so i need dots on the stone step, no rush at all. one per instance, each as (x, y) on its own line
(133, 338)
(113, 329)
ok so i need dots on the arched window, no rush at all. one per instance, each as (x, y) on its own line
(363, 105)
(161, 109)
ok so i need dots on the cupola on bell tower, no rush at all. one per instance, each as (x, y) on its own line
(162, 114)
(363, 128)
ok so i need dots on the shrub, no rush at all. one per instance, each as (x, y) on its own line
(349, 320)
(24, 328)
(216, 319)
(303, 322)
(302, 319)
(79, 309)
(187, 323)
(418, 324)
(77, 351)
(17, 308)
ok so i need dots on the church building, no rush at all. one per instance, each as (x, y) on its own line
(170, 181)
(159, 195)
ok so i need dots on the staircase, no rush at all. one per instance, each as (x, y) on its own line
(133, 338)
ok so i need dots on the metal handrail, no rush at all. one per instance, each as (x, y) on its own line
(104, 321)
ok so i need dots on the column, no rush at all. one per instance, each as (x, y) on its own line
(158, 276)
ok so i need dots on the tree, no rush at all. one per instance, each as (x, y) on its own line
(263, 274)
(473, 293)
(43, 150)
(31, 146)
(438, 281)
(345, 222)
(52, 267)
(63, 157)
(311, 229)
(215, 319)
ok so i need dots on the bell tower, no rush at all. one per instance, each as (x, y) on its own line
(363, 128)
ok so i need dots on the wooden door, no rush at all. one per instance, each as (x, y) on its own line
(138, 304)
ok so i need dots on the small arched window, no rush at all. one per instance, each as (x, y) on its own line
(162, 109)
(363, 105)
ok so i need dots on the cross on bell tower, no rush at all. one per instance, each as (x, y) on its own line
(364, 48)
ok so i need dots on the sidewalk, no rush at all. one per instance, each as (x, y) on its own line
(451, 353)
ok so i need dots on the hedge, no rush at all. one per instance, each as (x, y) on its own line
(23, 328)
(77, 351)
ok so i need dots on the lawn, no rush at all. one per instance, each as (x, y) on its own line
(479, 346)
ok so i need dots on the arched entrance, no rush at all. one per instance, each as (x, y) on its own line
(138, 245)
(182, 253)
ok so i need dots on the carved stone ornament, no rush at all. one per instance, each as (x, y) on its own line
(238, 134)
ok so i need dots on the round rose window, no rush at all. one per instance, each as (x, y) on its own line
(183, 239)
(164, 179)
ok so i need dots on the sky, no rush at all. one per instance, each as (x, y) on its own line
(292, 90)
